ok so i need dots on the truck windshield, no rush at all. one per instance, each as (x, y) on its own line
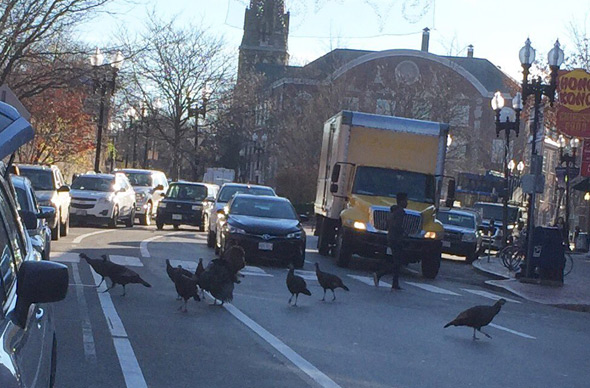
(489, 211)
(385, 182)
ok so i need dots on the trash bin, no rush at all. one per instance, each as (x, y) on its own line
(581, 243)
(548, 258)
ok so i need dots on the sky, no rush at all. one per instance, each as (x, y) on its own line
(496, 29)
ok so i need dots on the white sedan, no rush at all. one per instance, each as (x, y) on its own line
(103, 198)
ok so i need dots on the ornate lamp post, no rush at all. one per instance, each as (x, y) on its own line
(537, 89)
(131, 114)
(569, 158)
(104, 81)
(506, 126)
(195, 112)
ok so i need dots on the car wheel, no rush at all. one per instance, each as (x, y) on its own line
(131, 220)
(176, 226)
(114, 219)
(147, 217)
(55, 231)
(217, 246)
(299, 259)
(64, 228)
(205, 224)
(159, 225)
(53, 362)
(472, 257)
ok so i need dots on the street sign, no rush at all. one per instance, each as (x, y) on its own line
(530, 184)
(573, 108)
(8, 96)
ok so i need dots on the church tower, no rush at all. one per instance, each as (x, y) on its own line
(266, 30)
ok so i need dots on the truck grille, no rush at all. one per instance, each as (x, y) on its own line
(453, 236)
(412, 222)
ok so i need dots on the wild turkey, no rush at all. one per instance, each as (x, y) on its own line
(235, 257)
(173, 273)
(477, 317)
(329, 281)
(200, 269)
(221, 274)
(296, 285)
(186, 287)
(119, 274)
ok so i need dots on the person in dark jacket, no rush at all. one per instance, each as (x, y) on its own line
(395, 236)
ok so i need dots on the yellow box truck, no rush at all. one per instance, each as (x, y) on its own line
(366, 160)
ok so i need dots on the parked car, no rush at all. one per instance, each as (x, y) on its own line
(150, 187)
(265, 226)
(37, 226)
(183, 204)
(103, 198)
(227, 191)
(489, 211)
(28, 348)
(463, 236)
(51, 190)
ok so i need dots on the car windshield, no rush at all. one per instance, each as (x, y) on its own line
(187, 192)
(93, 183)
(42, 180)
(139, 179)
(385, 182)
(262, 207)
(21, 197)
(229, 191)
(489, 211)
(462, 220)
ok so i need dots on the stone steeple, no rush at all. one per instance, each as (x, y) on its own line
(266, 30)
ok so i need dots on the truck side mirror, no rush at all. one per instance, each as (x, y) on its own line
(334, 188)
(450, 194)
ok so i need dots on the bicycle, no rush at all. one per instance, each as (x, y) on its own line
(513, 255)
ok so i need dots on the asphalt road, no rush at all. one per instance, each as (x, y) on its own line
(368, 337)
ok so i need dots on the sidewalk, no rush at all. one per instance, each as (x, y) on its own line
(574, 294)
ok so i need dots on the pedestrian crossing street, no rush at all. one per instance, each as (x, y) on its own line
(130, 261)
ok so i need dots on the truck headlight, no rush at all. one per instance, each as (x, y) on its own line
(359, 225)
(430, 235)
(468, 237)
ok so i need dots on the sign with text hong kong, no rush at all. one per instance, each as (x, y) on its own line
(573, 110)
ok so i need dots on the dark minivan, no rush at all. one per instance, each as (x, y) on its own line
(183, 204)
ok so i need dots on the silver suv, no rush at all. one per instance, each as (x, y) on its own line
(51, 190)
(150, 187)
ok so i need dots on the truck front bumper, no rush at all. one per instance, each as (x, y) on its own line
(370, 244)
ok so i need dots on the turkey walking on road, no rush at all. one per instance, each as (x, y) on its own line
(477, 317)
(329, 281)
(173, 273)
(100, 266)
(296, 285)
(187, 288)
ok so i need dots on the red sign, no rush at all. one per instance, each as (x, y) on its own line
(585, 170)
(586, 150)
(573, 110)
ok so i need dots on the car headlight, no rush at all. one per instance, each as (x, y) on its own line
(297, 234)
(510, 227)
(468, 237)
(196, 207)
(104, 200)
(359, 225)
(430, 235)
(139, 196)
(162, 205)
(234, 230)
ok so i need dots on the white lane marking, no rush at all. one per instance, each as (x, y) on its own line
(369, 281)
(87, 337)
(411, 270)
(127, 360)
(129, 364)
(129, 261)
(307, 275)
(188, 265)
(489, 295)
(512, 331)
(305, 366)
(64, 257)
(250, 270)
(113, 320)
(143, 246)
(431, 288)
(79, 239)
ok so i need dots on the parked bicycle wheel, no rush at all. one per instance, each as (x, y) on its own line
(569, 264)
(512, 256)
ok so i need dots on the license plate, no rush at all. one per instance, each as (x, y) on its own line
(388, 251)
(265, 246)
(446, 244)
(177, 216)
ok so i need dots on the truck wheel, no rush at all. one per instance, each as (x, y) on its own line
(146, 219)
(343, 248)
(55, 231)
(131, 220)
(159, 225)
(430, 266)
(210, 239)
(323, 238)
(64, 228)
(472, 257)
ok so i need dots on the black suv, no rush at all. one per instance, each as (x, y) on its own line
(29, 346)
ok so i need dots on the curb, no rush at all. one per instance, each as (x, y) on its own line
(476, 264)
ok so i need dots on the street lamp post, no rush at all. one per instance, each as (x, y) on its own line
(537, 89)
(195, 112)
(506, 126)
(569, 158)
(131, 114)
(520, 169)
(105, 82)
(156, 105)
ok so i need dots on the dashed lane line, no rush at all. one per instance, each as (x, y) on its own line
(489, 295)
(87, 337)
(431, 288)
(369, 281)
(518, 333)
(74, 258)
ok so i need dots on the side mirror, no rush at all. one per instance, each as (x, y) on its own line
(221, 211)
(46, 212)
(334, 188)
(303, 218)
(38, 282)
(64, 189)
(450, 194)
(29, 218)
(210, 199)
(158, 187)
